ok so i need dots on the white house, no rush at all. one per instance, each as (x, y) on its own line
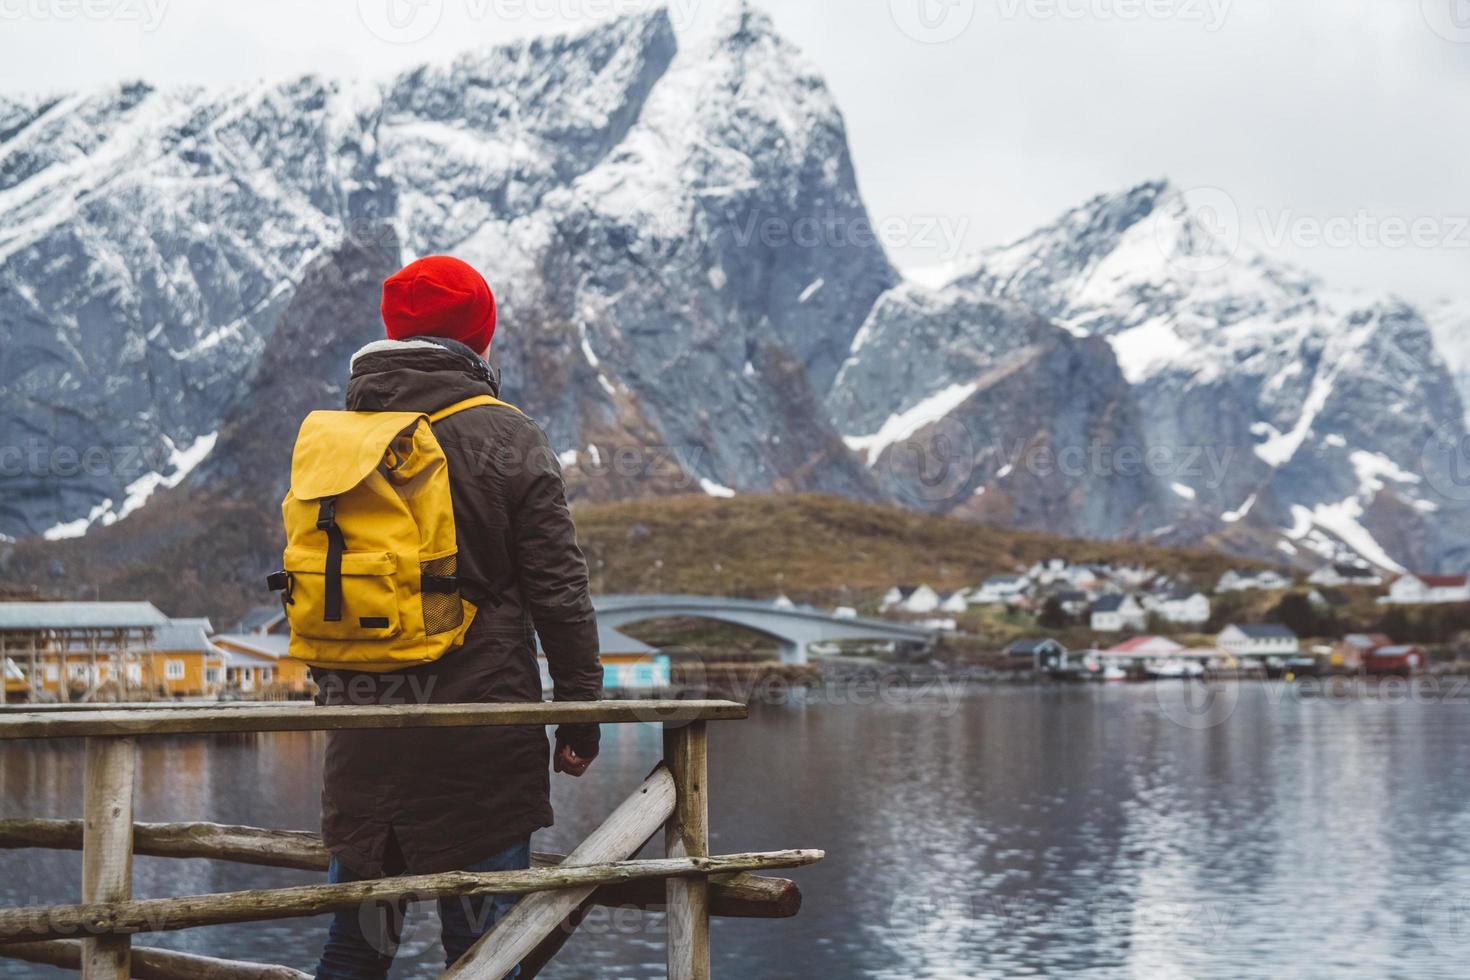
(1058, 570)
(1259, 640)
(1235, 581)
(1133, 576)
(1421, 590)
(1048, 571)
(1180, 606)
(911, 599)
(954, 602)
(1000, 589)
(1116, 613)
(1337, 574)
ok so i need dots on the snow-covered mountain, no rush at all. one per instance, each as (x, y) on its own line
(183, 274)
(1450, 322)
(608, 183)
(1324, 406)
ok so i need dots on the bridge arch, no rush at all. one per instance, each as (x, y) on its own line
(795, 629)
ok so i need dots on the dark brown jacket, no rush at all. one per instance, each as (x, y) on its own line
(453, 797)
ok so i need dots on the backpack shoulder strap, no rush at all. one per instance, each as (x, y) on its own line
(468, 403)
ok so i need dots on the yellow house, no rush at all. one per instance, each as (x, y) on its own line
(257, 665)
(183, 662)
(78, 650)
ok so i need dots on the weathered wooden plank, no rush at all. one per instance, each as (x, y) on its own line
(743, 896)
(535, 917)
(686, 750)
(152, 964)
(167, 914)
(295, 849)
(107, 849)
(305, 718)
(545, 951)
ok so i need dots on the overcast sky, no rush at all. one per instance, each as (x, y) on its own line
(1339, 128)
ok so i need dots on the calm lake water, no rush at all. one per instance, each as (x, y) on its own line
(1078, 831)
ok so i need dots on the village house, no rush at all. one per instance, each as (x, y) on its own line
(1047, 571)
(918, 600)
(258, 665)
(1046, 655)
(1180, 606)
(1074, 602)
(1355, 648)
(1338, 574)
(1132, 576)
(1395, 661)
(183, 662)
(1268, 580)
(70, 651)
(1424, 590)
(954, 603)
(1259, 640)
(1116, 613)
(627, 664)
(1000, 589)
(1054, 571)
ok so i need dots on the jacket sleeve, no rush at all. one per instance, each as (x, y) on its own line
(553, 580)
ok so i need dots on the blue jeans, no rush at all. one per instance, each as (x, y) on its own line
(362, 943)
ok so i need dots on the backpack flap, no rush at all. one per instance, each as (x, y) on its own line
(335, 451)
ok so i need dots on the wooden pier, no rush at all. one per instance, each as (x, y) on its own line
(96, 936)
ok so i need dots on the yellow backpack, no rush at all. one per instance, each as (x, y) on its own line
(370, 579)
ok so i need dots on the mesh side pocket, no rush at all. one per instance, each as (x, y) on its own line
(443, 611)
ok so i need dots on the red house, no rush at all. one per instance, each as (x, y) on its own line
(1397, 661)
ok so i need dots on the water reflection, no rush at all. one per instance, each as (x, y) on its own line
(1030, 832)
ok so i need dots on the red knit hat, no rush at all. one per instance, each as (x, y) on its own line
(442, 297)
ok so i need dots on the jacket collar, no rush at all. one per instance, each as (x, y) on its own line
(417, 375)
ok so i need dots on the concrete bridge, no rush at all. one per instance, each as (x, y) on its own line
(795, 628)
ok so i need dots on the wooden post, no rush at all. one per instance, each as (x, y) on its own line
(107, 849)
(687, 835)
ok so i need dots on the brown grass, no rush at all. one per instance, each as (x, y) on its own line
(826, 550)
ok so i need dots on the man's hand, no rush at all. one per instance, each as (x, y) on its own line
(568, 761)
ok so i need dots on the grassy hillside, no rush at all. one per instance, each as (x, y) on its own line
(825, 550)
(207, 556)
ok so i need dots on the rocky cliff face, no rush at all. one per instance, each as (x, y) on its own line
(974, 406)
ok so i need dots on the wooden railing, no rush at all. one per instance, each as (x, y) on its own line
(688, 883)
